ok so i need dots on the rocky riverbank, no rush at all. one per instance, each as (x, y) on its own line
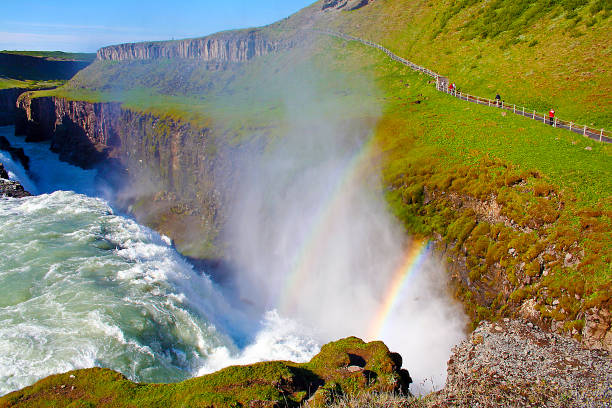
(10, 188)
(513, 363)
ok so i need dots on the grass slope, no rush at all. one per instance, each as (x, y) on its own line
(536, 53)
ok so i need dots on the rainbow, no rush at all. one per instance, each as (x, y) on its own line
(315, 241)
(413, 258)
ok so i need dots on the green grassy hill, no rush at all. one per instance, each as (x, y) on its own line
(39, 69)
(536, 53)
(522, 210)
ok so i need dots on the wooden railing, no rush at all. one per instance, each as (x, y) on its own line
(600, 135)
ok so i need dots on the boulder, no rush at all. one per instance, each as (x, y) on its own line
(14, 189)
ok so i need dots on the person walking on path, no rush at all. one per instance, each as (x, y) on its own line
(498, 100)
(551, 116)
(451, 87)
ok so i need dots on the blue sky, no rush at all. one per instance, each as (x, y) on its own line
(85, 25)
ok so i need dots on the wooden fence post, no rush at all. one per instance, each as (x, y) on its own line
(584, 131)
(514, 109)
(555, 125)
(570, 126)
(601, 135)
(533, 116)
(523, 111)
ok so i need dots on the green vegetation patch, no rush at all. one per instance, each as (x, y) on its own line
(345, 367)
(29, 84)
(524, 206)
(56, 55)
(535, 53)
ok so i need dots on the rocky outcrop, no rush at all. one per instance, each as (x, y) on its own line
(8, 104)
(10, 188)
(516, 364)
(34, 118)
(597, 331)
(231, 46)
(345, 4)
(346, 367)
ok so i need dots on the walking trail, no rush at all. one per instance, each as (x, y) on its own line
(442, 85)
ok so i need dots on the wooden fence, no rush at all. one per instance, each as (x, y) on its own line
(600, 135)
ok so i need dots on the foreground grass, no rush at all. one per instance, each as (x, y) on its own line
(267, 384)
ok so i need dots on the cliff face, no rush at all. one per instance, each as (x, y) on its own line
(8, 100)
(151, 161)
(236, 46)
(37, 68)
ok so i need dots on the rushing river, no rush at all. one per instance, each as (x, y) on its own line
(84, 286)
(316, 253)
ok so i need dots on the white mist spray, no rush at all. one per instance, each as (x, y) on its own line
(312, 237)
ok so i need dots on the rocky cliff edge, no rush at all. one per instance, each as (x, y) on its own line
(231, 46)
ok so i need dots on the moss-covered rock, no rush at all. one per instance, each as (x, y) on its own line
(345, 367)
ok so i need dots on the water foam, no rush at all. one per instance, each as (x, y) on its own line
(81, 286)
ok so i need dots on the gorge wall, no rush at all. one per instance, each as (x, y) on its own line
(232, 46)
(8, 100)
(165, 172)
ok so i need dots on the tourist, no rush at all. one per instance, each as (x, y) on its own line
(498, 100)
(551, 116)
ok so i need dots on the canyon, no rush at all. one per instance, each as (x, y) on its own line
(507, 255)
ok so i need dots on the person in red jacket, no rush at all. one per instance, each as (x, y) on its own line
(551, 116)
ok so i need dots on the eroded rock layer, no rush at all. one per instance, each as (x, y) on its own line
(233, 46)
(152, 161)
